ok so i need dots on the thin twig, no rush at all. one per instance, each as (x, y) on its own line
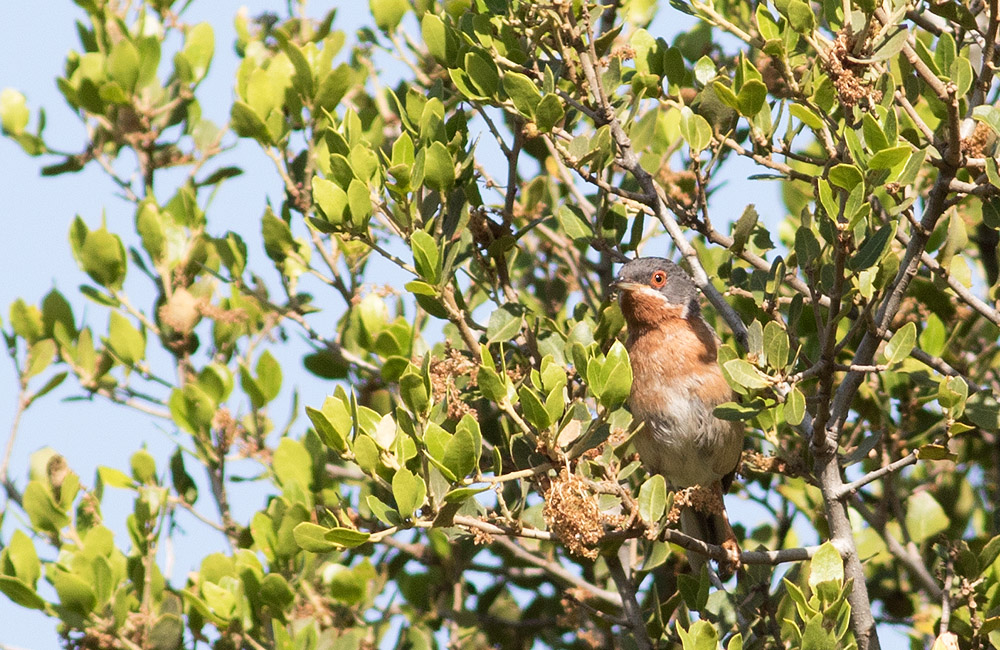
(557, 570)
(850, 489)
(630, 604)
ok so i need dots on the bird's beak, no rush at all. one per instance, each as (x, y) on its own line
(620, 285)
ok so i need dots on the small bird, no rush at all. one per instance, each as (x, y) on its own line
(676, 384)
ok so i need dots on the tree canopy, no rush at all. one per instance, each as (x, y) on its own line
(470, 481)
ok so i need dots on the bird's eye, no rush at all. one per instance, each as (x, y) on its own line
(658, 280)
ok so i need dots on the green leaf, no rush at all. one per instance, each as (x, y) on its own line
(776, 345)
(21, 594)
(743, 228)
(247, 124)
(815, 636)
(801, 16)
(505, 323)
(409, 490)
(534, 410)
(292, 464)
(330, 436)
(413, 391)
(26, 321)
(490, 384)
(460, 453)
(75, 593)
(574, 224)
(901, 344)
(846, 176)
(702, 635)
(892, 44)
(388, 13)
(42, 509)
(143, 467)
(889, 158)
(935, 452)
(872, 248)
(826, 565)
(523, 92)
(199, 47)
(426, 256)
(695, 129)
(184, 485)
(330, 198)
(795, 407)
(751, 97)
(123, 65)
(23, 558)
(483, 72)
(736, 412)
(360, 201)
(924, 516)
(102, 256)
(128, 343)
(115, 477)
(652, 499)
(436, 37)
(14, 113)
(311, 537)
(366, 454)
(40, 356)
(439, 167)
(269, 375)
(874, 136)
(346, 537)
(744, 374)
(549, 112)
(806, 116)
(616, 377)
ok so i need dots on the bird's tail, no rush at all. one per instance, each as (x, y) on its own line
(711, 528)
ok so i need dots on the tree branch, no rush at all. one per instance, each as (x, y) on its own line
(630, 604)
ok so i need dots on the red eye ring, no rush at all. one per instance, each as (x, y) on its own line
(658, 280)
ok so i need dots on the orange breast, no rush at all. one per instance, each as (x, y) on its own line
(676, 385)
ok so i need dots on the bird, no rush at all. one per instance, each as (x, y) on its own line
(676, 385)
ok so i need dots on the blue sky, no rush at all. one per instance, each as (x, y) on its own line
(35, 214)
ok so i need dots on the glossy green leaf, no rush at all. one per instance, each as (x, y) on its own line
(426, 256)
(776, 345)
(695, 129)
(872, 249)
(549, 112)
(702, 635)
(744, 374)
(826, 565)
(751, 97)
(889, 158)
(439, 167)
(795, 407)
(901, 344)
(409, 490)
(505, 323)
(460, 453)
(652, 499)
(311, 537)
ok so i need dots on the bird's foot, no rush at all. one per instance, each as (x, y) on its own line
(733, 561)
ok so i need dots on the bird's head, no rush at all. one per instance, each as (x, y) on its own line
(653, 290)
